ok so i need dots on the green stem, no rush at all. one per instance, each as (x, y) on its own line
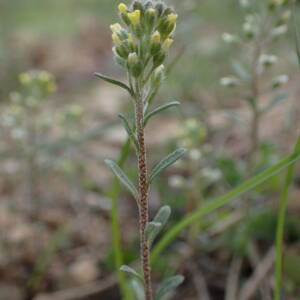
(221, 201)
(115, 223)
(280, 225)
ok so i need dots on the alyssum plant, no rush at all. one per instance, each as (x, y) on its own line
(141, 47)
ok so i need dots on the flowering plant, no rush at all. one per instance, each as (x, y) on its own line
(141, 47)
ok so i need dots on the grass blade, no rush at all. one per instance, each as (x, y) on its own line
(221, 201)
(280, 224)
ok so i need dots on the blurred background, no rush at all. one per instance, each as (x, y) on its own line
(55, 234)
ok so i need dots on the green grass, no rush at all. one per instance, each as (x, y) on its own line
(221, 201)
(281, 223)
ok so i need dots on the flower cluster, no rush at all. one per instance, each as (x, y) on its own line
(146, 37)
(255, 32)
(40, 83)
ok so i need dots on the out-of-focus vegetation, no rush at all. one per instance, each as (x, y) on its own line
(54, 188)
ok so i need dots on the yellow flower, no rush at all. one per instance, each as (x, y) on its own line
(24, 78)
(172, 18)
(135, 17)
(122, 8)
(116, 39)
(167, 43)
(116, 27)
(155, 38)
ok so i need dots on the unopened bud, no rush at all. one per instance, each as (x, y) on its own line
(116, 27)
(172, 18)
(158, 76)
(267, 60)
(229, 81)
(116, 39)
(166, 44)
(279, 30)
(134, 64)
(150, 17)
(122, 8)
(279, 81)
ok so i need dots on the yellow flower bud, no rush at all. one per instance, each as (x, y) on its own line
(167, 43)
(172, 18)
(116, 27)
(130, 38)
(122, 8)
(116, 39)
(151, 10)
(155, 38)
(135, 17)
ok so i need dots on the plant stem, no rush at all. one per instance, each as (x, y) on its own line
(143, 193)
(254, 134)
(115, 223)
(280, 224)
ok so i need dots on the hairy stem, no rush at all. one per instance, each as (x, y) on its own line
(143, 194)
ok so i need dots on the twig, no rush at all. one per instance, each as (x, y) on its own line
(81, 292)
(250, 287)
(232, 283)
(199, 283)
(255, 260)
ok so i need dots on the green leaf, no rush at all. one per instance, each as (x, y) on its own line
(129, 131)
(150, 230)
(122, 177)
(138, 290)
(158, 110)
(212, 205)
(168, 285)
(131, 271)
(154, 229)
(276, 100)
(115, 82)
(166, 162)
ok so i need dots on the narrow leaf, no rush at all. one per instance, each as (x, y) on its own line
(276, 100)
(151, 228)
(166, 162)
(168, 285)
(129, 131)
(131, 271)
(138, 290)
(115, 82)
(161, 218)
(158, 110)
(122, 177)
